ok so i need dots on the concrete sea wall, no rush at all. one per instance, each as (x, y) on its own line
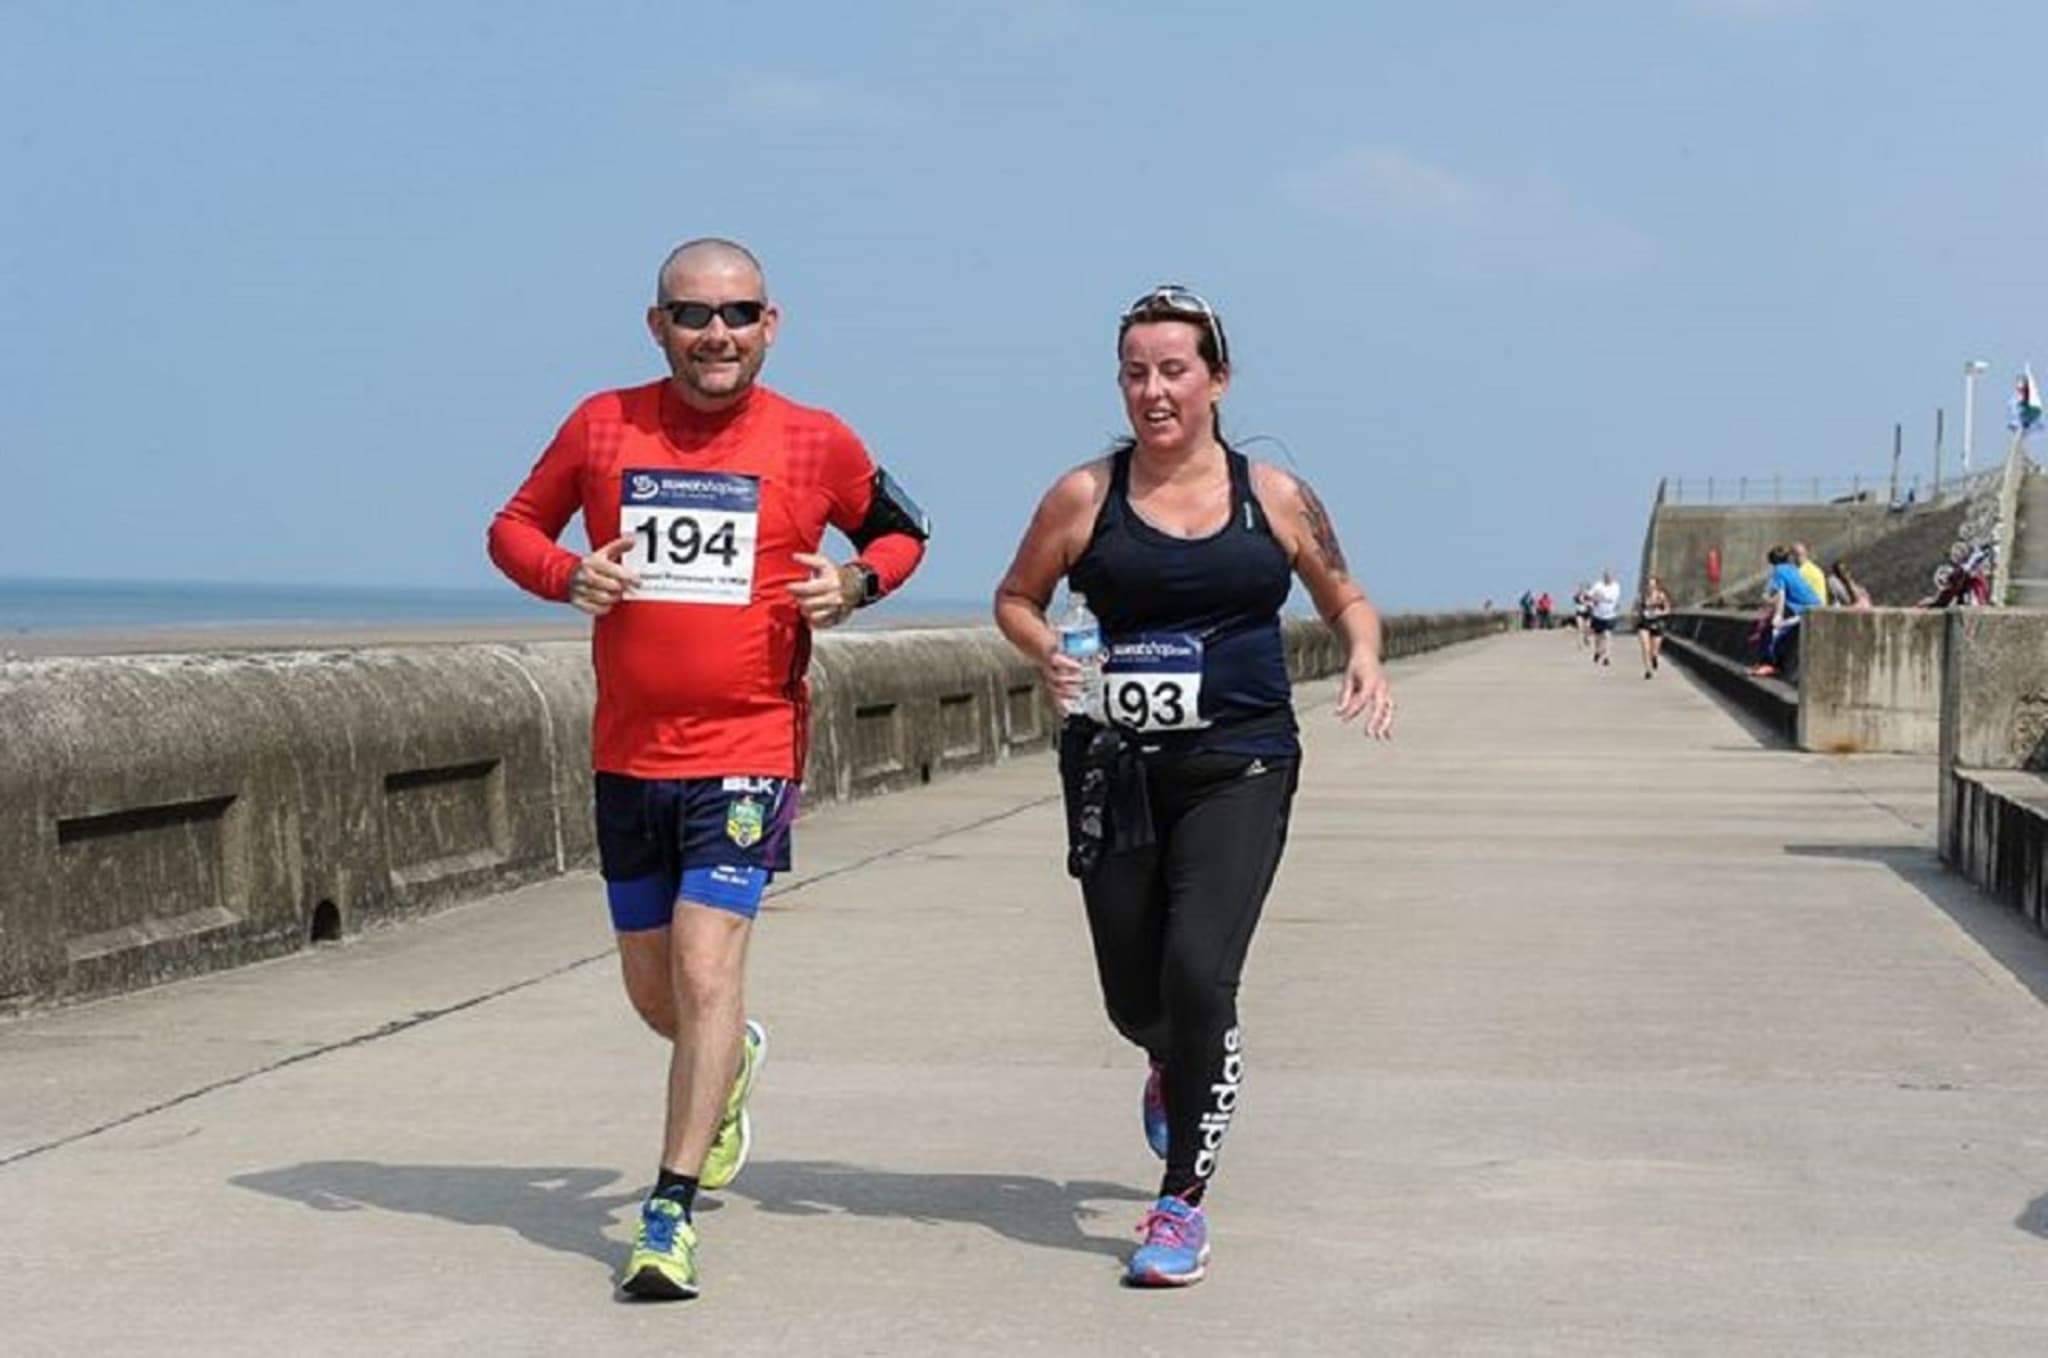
(1680, 538)
(1867, 681)
(171, 814)
(1870, 681)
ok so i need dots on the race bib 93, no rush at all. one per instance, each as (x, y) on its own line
(1154, 682)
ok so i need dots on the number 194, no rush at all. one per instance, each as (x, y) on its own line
(685, 540)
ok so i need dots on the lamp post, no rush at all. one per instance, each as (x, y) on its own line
(1972, 370)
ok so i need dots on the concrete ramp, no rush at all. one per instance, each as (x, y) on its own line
(1580, 1023)
(2029, 570)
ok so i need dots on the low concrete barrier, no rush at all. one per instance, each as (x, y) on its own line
(1994, 753)
(895, 709)
(1864, 681)
(1314, 651)
(172, 814)
(1714, 646)
(1870, 681)
(1725, 632)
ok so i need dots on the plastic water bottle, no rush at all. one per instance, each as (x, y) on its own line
(1080, 638)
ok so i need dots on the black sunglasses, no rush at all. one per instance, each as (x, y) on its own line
(697, 315)
(1171, 301)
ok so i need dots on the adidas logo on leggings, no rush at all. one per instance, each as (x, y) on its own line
(1216, 1121)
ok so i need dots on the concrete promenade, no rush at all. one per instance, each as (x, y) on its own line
(1580, 1023)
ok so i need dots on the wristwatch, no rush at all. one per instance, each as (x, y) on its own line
(870, 583)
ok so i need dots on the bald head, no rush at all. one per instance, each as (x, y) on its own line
(713, 321)
(708, 255)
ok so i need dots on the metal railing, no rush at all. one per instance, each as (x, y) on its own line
(1775, 489)
(1984, 481)
(1778, 489)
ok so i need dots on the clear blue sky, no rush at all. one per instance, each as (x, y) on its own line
(296, 292)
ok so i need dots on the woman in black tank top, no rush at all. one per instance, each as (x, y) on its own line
(1214, 601)
(1179, 784)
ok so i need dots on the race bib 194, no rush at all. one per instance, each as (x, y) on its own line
(1154, 682)
(693, 534)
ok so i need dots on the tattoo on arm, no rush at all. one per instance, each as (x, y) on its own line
(1321, 531)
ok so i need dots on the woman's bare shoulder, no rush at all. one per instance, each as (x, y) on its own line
(1080, 489)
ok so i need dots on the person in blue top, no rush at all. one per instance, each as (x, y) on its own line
(1789, 596)
(1177, 802)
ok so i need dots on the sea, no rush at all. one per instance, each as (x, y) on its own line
(37, 607)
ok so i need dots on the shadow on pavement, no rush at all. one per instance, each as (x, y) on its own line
(1997, 930)
(1031, 1211)
(2034, 1221)
(565, 1209)
(557, 1209)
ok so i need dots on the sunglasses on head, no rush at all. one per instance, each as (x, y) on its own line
(697, 315)
(1171, 301)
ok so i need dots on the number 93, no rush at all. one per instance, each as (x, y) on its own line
(1146, 706)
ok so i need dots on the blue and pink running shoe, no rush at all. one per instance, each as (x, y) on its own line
(1176, 1248)
(1154, 1107)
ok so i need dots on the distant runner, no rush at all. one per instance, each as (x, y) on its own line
(1603, 609)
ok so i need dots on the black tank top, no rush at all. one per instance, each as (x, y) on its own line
(1163, 600)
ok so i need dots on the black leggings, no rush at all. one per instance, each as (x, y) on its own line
(1172, 922)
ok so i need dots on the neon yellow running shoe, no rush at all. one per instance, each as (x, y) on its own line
(663, 1264)
(728, 1153)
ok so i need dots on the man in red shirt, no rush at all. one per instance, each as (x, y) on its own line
(705, 497)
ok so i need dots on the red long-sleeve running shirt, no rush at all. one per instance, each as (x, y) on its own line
(700, 670)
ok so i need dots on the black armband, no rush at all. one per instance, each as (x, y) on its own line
(890, 510)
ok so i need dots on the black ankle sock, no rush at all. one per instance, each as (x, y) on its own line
(680, 1189)
(1189, 1192)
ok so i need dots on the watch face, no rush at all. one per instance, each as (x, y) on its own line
(870, 585)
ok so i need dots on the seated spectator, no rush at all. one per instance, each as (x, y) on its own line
(1844, 588)
(1787, 596)
(1809, 570)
